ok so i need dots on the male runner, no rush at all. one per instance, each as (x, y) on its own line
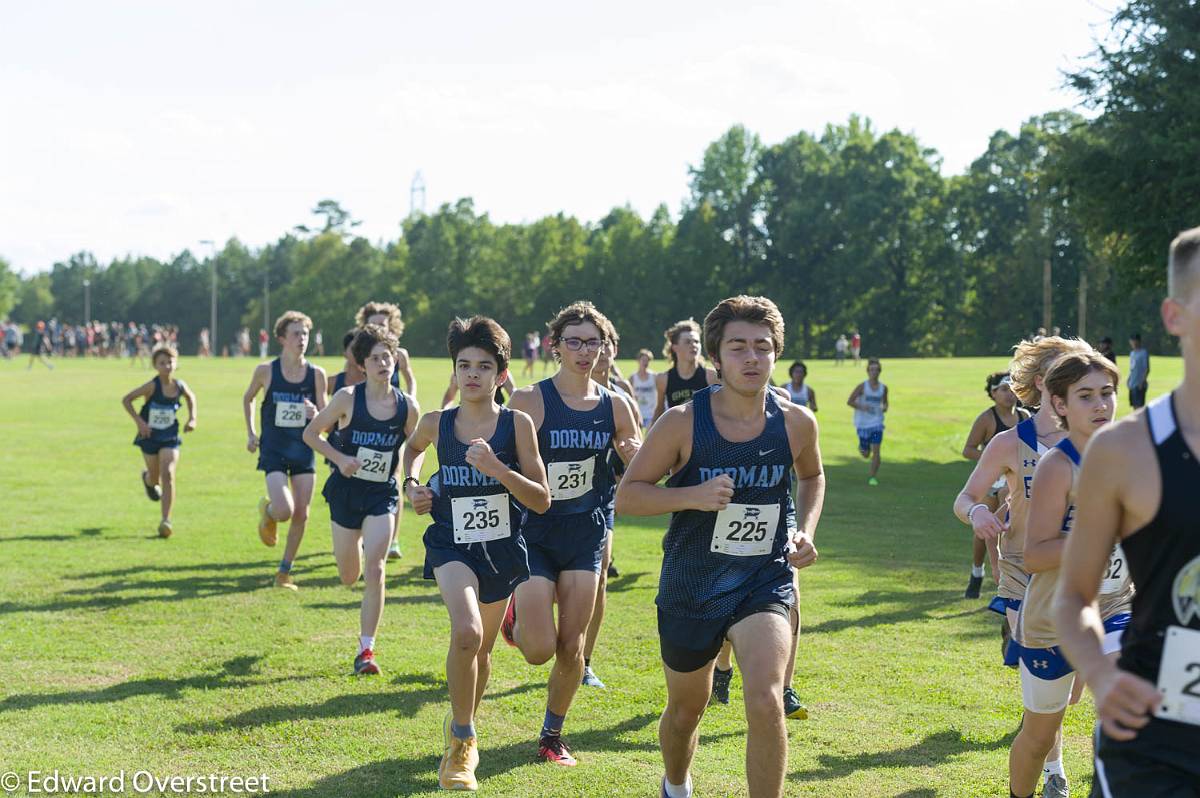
(645, 387)
(1138, 486)
(800, 392)
(577, 423)
(729, 551)
(870, 402)
(687, 373)
(294, 391)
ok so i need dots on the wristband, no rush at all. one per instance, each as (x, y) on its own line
(971, 512)
(411, 479)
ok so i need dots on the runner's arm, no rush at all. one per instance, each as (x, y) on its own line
(321, 386)
(992, 465)
(404, 366)
(853, 400)
(810, 488)
(190, 398)
(1044, 535)
(143, 391)
(258, 382)
(812, 399)
(639, 492)
(979, 431)
(627, 438)
(660, 390)
(338, 408)
(424, 435)
(528, 485)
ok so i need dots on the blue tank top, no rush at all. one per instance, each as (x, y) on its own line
(375, 443)
(283, 417)
(339, 381)
(455, 479)
(714, 561)
(573, 445)
(159, 412)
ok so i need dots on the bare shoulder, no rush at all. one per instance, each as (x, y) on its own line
(1124, 444)
(401, 355)
(798, 418)
(1003, 444)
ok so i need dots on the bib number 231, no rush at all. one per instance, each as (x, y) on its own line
(1179, 676)
(478, 519)
(570, 480)
(746, 530)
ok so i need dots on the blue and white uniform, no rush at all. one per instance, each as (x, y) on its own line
(476, 521)
(868, 419)
(376, 444)
(799, 396)
(719, 568)
(573, 445)
(283, 418)
(159, 413)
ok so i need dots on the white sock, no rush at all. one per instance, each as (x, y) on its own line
(977, 571)
(1054, 768)
(365, 642)
(678, 790)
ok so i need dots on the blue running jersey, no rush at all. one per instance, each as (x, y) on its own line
(283, 417)
(573, 445)
(469, 506)
(713, 561)
(374, 443)
(159, 413)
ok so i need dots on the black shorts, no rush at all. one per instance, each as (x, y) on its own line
(1163, 761)
(351, 500)
(560, 543)
(290, 463)
(151, 447)
(688, 644)
(499, 565)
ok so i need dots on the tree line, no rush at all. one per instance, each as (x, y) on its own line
(850, 228)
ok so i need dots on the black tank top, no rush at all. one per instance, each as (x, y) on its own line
(1164, 555)
(679, 390)
(1000, 425)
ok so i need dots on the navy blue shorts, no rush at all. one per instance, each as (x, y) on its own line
(499, 565)
(560, 543)
(151, 446)
(869, 437)
(352, 500)
(1160, 762)
(688, 644)
(270, 460)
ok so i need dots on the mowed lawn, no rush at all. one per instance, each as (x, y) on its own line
(121, 651)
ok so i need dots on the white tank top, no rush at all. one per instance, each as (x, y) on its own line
(646, 394)
(872, 417)
(800, 396)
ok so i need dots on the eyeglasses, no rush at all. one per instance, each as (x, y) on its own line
(575, 344)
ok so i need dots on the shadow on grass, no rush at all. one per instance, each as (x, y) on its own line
(255, 565)
(935, 749)
(417, 691)
(392, 777)
(85, 532)
(236, 673)
(910, 605)
(355, 603)
(628, 581)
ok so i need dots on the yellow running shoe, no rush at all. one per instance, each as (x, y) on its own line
(266, 524)
(164, 529)
(460, 760)
(285, 580)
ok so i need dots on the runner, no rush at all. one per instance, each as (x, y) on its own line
(389, 316)
(683, 348)
(614, 469)
(645, 389)
(856, 346)
(351, 373)
(158, 430)
(1138, 486)
(530, 353)
(373, 419)
(294, 390)
(489, 472)
(1082, 389)
(800, 392)
(729, 551)
(870, 401)
(41, 348)
(1003, 414)
(503, 391)
(577, 423)
(1013, 454)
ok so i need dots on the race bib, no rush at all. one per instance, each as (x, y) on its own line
(1179, 676)
(376, 465)
(746, 530)
(161, 417)
(570, 480)
(1116, 574)
(478, 519)
(289, 414)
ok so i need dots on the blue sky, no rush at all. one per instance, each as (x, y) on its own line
(142, 127)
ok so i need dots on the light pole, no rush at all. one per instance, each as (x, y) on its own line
(87, 301)
(212, 328)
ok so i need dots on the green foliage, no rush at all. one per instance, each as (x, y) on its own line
(10, 288)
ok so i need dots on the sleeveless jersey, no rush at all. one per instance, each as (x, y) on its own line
(468, 504)
(573, 445)
(713, 561)
(1164, 563)
(159, 412)
(872, 417)
(376, 444)
(1013, 577)
(646, 394)
(283, 418)
(339, 381)
(1035, 623)
(679, 390)
(798, 395)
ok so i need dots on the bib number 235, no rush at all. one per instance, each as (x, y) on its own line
(478, 519)
(746, 530)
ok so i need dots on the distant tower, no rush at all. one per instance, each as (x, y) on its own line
(416, 195)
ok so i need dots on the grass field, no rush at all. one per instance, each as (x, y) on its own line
(121, 651)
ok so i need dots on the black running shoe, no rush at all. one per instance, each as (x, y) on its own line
(792, 708)
(720, 688)
(973, 587)
(613, 573)
(153, 492)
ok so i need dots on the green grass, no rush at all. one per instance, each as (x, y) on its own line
(122, 651)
